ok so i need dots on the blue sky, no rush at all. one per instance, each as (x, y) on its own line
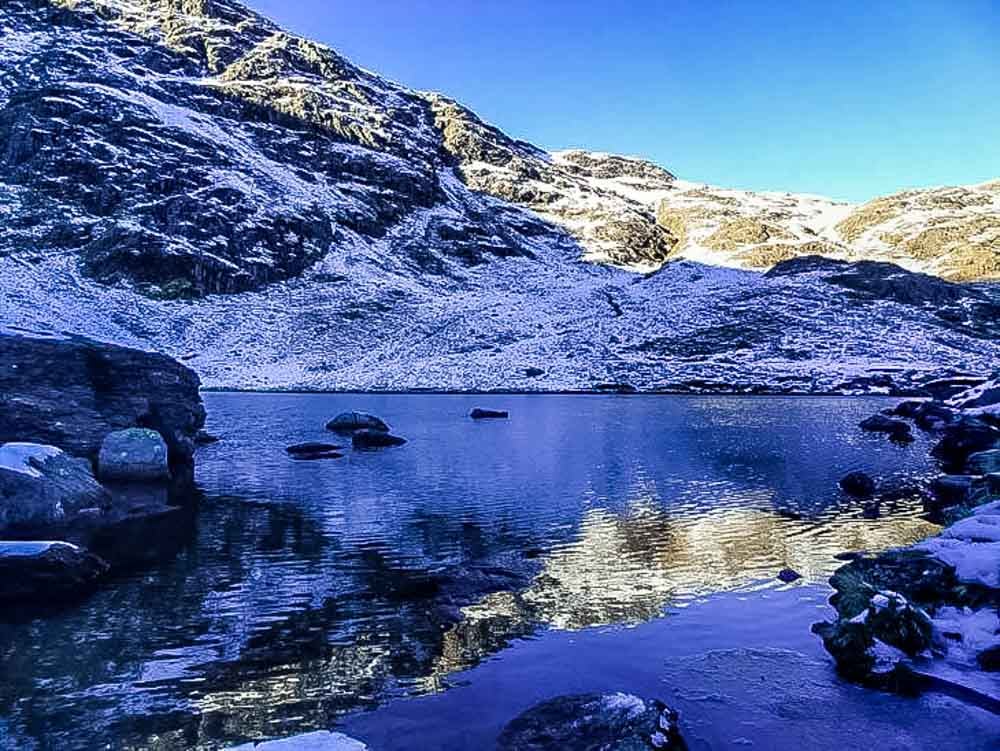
(848, 99)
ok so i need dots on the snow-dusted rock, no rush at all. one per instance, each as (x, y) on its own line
(46, 572)
(40, 485)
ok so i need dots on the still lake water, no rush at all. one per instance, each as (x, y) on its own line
(310, 594)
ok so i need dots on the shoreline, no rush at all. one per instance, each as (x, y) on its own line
(560, 392)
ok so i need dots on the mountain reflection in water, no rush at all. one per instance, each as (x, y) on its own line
(311, 589)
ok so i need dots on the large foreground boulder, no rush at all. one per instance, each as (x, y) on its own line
(47, 572)
(594, 722)
(133, 455)
(41, 485)
(72, 392)
(348, 422)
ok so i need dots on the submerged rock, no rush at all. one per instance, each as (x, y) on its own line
(857, 484)
(316, 455)
(312, 447)
(133, 455)
(896, 429)
(534, 372)
(594, 722)
(485, 414)
(348, 422)
(44, 572)
(375, 439)
(41, 485)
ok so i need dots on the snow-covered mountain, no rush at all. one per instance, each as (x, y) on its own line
(184, 175)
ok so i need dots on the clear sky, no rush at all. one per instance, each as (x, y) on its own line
(850, 99)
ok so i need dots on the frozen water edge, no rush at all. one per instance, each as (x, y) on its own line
(743, 670)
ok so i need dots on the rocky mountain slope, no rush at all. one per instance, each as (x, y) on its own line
(183, 175)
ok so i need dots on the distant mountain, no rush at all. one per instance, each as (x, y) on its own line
(186, 176)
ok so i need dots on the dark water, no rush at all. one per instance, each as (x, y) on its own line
(312, 590)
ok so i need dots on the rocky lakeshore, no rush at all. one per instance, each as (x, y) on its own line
(97, 450)
(927, 617)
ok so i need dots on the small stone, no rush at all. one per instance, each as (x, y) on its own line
(375, 439)
(788, 575)
(857, 484)
(534, 372)
(312, 447)
(487, 414)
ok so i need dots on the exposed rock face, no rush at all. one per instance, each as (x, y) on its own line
(47, 572)
(41, 485)
(133, 455)
(71, 393)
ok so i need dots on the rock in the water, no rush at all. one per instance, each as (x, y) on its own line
(594, 722)
(534, 372)
(485, 414)
(858, 484)
(957, 490)
(41, 485)
(963, 438)
(348, 422)
(896, 429)
(133, 455)
(316, 455)
(989, 659)
(788, 575)
(204, 438)
(71, 393)
(312, 447)
(984, 462)
(375, 439)
(44, 572)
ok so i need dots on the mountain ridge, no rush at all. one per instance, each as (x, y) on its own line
(184, 175)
